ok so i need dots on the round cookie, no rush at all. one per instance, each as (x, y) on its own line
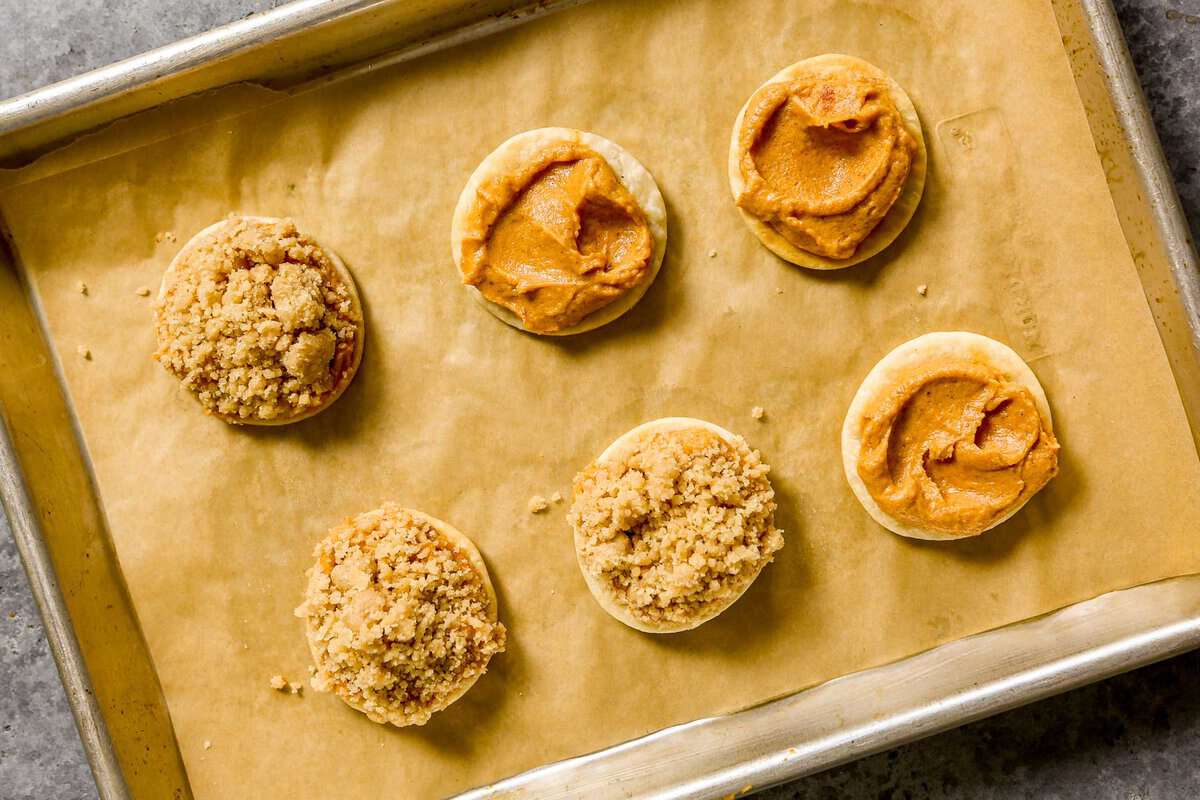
(517, 151)
(599, 495)
(353, 315)
(395, 597)
(900, 362)
(901, 211)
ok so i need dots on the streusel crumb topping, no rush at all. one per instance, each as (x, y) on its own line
(256, 321)
(677, 525)
(398, 618)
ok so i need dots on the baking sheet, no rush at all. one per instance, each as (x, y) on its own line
(460, 416)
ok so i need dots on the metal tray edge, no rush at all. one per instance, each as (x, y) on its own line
(27, 534)
(263, 48)
(1150, 162)
(87, 90)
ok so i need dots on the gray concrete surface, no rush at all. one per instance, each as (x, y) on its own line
(1134, 737)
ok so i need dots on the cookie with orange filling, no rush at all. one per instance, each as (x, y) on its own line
(827, 162)
(559, 231)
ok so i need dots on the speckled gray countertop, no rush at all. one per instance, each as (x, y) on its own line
(1134, 737)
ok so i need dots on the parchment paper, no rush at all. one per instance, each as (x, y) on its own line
(458, 415)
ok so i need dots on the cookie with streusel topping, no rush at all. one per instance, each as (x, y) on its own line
(259, 322)
(673, 522)
(400, 615)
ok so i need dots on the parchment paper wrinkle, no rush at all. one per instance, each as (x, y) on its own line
(458, 415)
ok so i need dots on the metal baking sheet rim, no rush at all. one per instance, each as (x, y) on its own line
(799, 734)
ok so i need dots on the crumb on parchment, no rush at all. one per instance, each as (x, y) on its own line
(84, 353)
(537, 504)
(82, 287)
(256, 321)
(778, 290)
(682, 522)
(397, 616)
(712, 253)
(556, 497)
(207, 744)
(142, 291)
(757, 412)
(281, 684)
(922, 290)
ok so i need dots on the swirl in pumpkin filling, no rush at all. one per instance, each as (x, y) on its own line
(824, 157)
(955, 448)
(557, 240)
